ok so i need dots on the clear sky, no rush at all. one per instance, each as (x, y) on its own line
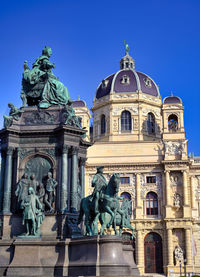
(87, 40)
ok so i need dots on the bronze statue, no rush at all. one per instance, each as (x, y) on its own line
(40, 86)
(14, 113)
(49, 198)
(33, 215)
(22, 188)
(98, 182)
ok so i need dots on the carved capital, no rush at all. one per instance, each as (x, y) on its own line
(82, 161)
(10, 151)
(74, 150)
(65, 149)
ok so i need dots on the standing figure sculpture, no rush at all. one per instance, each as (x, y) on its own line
(22, 188)
(40, 86)
(33, 214)
(33, 182)
(49, 198)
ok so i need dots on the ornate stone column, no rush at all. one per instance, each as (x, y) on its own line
(64, 186)
(82, 175)
(8, 181)
(192, 185)
(185, 188)
(168, 189)
(138, 210)
(138, 198)
(170, 247)
(140, 251)
(188, 246)
(3, 163)
(74, 182)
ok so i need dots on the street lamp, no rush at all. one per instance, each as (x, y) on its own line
(185, 261)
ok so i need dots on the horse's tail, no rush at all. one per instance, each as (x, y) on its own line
(81, 212)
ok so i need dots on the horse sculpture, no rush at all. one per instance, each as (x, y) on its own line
(110, 212)
(125, 210)
(107, 203)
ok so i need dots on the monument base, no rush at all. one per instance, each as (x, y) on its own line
(87, 256)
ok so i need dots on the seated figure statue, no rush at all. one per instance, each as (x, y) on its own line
(40, 86)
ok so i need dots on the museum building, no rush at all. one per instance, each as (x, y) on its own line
(142, 137)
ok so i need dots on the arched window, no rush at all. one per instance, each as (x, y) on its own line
(103, 124)
(152, 203)
(126, 121)
(173, 123)
(126, 195)
(150, 123)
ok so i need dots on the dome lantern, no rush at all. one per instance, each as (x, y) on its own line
(127, 62)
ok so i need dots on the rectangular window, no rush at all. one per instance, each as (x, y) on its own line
(125, 180)
(151, 179)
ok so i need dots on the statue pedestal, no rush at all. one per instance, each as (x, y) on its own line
(34, 257)
(101, 256)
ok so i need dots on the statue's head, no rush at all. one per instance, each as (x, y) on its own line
(47, 51)
(49, 174)
(25, 176)
(100, 169)
(30, 190)
(10, 105)
(32, 176)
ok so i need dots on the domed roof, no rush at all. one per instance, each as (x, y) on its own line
(78, 103)
(127, 80)
(171, 100)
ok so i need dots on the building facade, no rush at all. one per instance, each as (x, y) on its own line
(141, 136)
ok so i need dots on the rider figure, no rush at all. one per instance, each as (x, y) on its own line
(98, 182)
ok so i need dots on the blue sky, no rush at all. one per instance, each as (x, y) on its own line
(87, 41)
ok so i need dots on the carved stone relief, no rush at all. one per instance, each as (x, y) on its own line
(174, 148)
(40, 118)
(146, 111)
(118, 110)
(156, 187)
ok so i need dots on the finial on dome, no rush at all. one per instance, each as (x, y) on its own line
(171, 93)
(127, 48)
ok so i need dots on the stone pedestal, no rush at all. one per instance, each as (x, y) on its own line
(34, 257)
(101, 256)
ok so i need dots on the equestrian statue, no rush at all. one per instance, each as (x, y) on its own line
(104, 205)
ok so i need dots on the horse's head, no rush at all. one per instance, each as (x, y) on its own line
(114, 182)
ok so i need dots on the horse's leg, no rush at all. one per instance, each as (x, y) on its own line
(104, 223)
(108, 210)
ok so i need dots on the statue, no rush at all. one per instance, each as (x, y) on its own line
(22, 188)
(122, 218)
(177, 200)
(33, 182)
(40, 86)
(103, 204)
(99, 182)
(33, 214)
(69, 116)
(49, 198)
(41, 193)
(14, 113)
(178, 255)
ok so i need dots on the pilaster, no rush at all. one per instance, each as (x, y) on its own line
(74, 183)
(168, 194)
(170, 247)
(138, 197)
(8, 181)
(64, 188)
(186, 210)
(188, 246)
(140, 251)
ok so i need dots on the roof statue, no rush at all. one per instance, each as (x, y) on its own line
(127, 48)
(40, 86)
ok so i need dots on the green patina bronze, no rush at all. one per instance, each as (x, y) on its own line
(14, 113)
(33, 214)
(40, 86)
(104, 205)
